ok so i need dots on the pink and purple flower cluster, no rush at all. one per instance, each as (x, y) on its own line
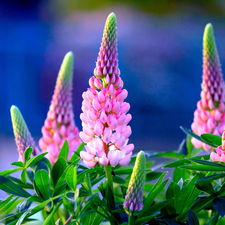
(104, 118)
(209, 116)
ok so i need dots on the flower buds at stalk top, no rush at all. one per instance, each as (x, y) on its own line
(23, 137)
(134, 198)
(104, 117)
(209, 116)
(59, 124)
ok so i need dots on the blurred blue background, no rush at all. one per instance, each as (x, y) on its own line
(160, 58)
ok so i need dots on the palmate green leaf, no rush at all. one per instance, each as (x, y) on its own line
(76, 154)
(20, 183)
(71, 177)
(35, 159)
(217, 140)
(63, 176)
(27, 154)
(42, 183)
(219, 205)
(157, 207)
(192, 217)
(58, 169)
(92, 219)
(124, 170)
(96, 180)
(64, 151)
(10, 187)
(197, 137)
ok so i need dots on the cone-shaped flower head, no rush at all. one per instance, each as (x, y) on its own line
(104, 117)
(59, 124)
(22, 135)
(219, 155)
(209, 116)
(134, 198)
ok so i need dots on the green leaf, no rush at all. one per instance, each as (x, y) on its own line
(63, 176)
(20, 221)
(71, 177)
(19, 164)
(27, 154)
(188, 196)
(64, 151)
(205, 186)
(7, 172)
(214, 139)
(58, 169)
(157, 188)
(152, 175)
(24, 176)
(124, 170)
(42, 182)
(119, 180)
(145, 219)
(192, 217)
(219, 205)
(197, 137)
(203, 168)
(51, 215)
(170, 155)
(173, 191)
(76, 154)
(35, 159)
(10, 187)
(203, 162)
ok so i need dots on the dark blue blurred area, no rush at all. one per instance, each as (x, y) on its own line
(160, 58)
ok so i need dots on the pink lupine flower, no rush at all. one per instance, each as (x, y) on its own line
(59, 124)
(209, 116)
(104, 117)
(219, 155)
(22, 135)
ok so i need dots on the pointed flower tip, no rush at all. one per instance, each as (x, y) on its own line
(111, 16)
(66, 70)
(208, 38)
(13, 110)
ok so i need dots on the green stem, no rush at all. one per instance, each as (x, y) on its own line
(108, 172)
(131, 219)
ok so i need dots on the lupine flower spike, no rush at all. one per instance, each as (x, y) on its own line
(134, 198)
(59, 124)
(209, 116)
(22, 135)
(220, 151)
(104, 117)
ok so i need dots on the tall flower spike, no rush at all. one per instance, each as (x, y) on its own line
(59, 124)
(104, 117)
(209, 116)
(22, 135)
(134, 197)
